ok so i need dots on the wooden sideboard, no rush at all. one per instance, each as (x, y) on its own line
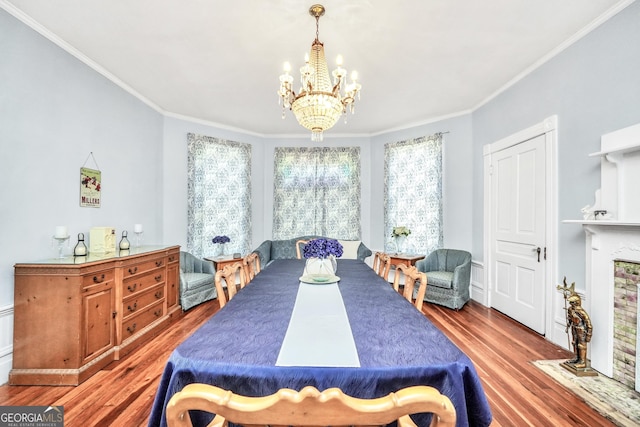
(74, 316)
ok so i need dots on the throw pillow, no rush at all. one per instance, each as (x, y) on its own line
(350, 248)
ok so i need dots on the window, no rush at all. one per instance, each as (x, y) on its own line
(413, 192)
(219, 194)
(317, 192)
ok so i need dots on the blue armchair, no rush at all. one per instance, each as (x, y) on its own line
(448, 277)
(196, 281)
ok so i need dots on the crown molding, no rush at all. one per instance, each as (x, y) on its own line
(212, 124)
(36, 26)
(617, 8)
(30, 22)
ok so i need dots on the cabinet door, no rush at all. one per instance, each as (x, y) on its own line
(173, 279)
(98, 329)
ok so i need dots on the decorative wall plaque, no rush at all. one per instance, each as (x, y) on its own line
(90, 187)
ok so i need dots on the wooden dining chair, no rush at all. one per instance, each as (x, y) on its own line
(376, 261)
(309, 407)
(299, 247)
(382, 265)
(411, 276)
(251, 264)
(230, 274)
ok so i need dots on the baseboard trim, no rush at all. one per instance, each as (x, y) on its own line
(6, 342)
(478, 290)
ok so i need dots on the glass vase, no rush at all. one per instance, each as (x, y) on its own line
(320, 266)
(220, 249)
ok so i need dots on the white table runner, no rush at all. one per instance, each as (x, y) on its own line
(319, 333)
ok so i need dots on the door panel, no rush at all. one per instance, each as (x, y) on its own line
(518, 200)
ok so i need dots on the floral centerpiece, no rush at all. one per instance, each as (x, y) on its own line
(400, 231)
(322, 248)
(399, 235)
(321, 257)
(221, 241)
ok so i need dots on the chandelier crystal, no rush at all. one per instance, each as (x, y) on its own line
(319, 102)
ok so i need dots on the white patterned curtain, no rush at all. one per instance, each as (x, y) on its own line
(317, 192)
(219, 194)
(413, 192)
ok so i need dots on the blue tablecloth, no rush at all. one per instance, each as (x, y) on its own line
(397, 345)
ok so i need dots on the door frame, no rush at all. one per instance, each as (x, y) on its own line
(548, 128)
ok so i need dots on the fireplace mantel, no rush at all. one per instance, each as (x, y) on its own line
(603, 223)
(616, 237)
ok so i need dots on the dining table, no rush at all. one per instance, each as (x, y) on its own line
(356, 333)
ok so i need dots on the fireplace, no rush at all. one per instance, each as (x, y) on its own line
(610, 248)
(613, 258)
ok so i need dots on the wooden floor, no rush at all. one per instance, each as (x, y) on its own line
(519, 394)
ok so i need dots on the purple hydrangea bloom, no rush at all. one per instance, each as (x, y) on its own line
(322, 248)
(221, 239)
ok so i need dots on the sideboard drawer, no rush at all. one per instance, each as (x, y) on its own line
(142, 282)
(173, 256)
(98, 278)
(141, 300)
(135, 323)
(143, 267)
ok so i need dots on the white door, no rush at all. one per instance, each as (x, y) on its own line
(518, 232)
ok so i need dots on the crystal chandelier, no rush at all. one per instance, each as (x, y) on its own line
(319, 103)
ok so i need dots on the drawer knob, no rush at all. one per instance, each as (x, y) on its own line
(132, 288)
(134, 308)
(159, 263)
(158, 312)
(158, 294)
(158, 277)
(133, 270)
(97, 279)
(131, 329)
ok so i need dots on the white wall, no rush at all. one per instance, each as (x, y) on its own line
(55, 111)
(457, 165)
(593, 87)
(458, 172)
(175, 175)
(174, 170)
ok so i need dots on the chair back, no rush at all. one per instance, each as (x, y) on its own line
(299, 246)
(189, 263)
(309, 407)
(382, 265)
(445, 260)
(229, 274)
(251, 264)
(411, 277)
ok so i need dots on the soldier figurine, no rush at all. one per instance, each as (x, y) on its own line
(581, 330)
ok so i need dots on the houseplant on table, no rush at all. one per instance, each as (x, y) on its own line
(399, 235)
(220, 241)
(321, 257)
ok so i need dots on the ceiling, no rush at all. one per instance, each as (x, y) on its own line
(218, 61)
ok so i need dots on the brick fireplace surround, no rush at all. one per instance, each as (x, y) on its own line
(625, 323)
